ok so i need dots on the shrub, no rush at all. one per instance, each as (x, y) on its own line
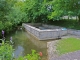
(32, 56)
(8, 26)
(1, 25)
(6, 51)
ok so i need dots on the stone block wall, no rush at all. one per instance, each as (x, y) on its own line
(45, 34)
(74, 32)
(51, 26)
(31, 29)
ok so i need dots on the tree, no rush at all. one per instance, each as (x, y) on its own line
(36, 10)
(4, 9)
(17, 15)
(65, 7)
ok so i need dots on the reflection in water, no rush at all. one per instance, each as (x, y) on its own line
(24, 43)
(18, 51)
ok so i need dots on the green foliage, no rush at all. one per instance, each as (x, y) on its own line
(32, 56)
(20, 58)
(5, 8)
(6, 51)
(1, 25)
(14, 12)
(7, 26)
(65, 7)
(16, 16)
(37, 10)
(11, 14)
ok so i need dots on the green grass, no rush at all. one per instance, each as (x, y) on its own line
(68, 45)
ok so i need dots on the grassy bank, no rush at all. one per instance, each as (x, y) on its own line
(68, 45)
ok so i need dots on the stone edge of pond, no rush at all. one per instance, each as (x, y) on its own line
(52, 53)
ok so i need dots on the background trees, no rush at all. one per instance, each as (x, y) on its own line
(5, 8)
(14, 12)
(65, 7)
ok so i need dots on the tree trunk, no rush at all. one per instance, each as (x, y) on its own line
(79, 18)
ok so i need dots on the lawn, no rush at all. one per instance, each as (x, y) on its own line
(68, 45)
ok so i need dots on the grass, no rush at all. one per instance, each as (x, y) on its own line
(68, 45)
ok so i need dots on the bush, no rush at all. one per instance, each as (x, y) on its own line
(8, 26)
(6, 51)
(32, 56)
(1, 25)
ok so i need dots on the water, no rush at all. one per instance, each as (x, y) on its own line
(24, 43)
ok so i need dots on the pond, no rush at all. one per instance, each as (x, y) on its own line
(24, 43)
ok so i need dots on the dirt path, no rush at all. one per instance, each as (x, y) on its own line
(69, 56)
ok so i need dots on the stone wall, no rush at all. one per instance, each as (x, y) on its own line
(31, 29)
(51, 26)
(35, 24)
(45, 34)
(74, 32)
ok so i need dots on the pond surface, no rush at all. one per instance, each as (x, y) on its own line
(24, 43)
